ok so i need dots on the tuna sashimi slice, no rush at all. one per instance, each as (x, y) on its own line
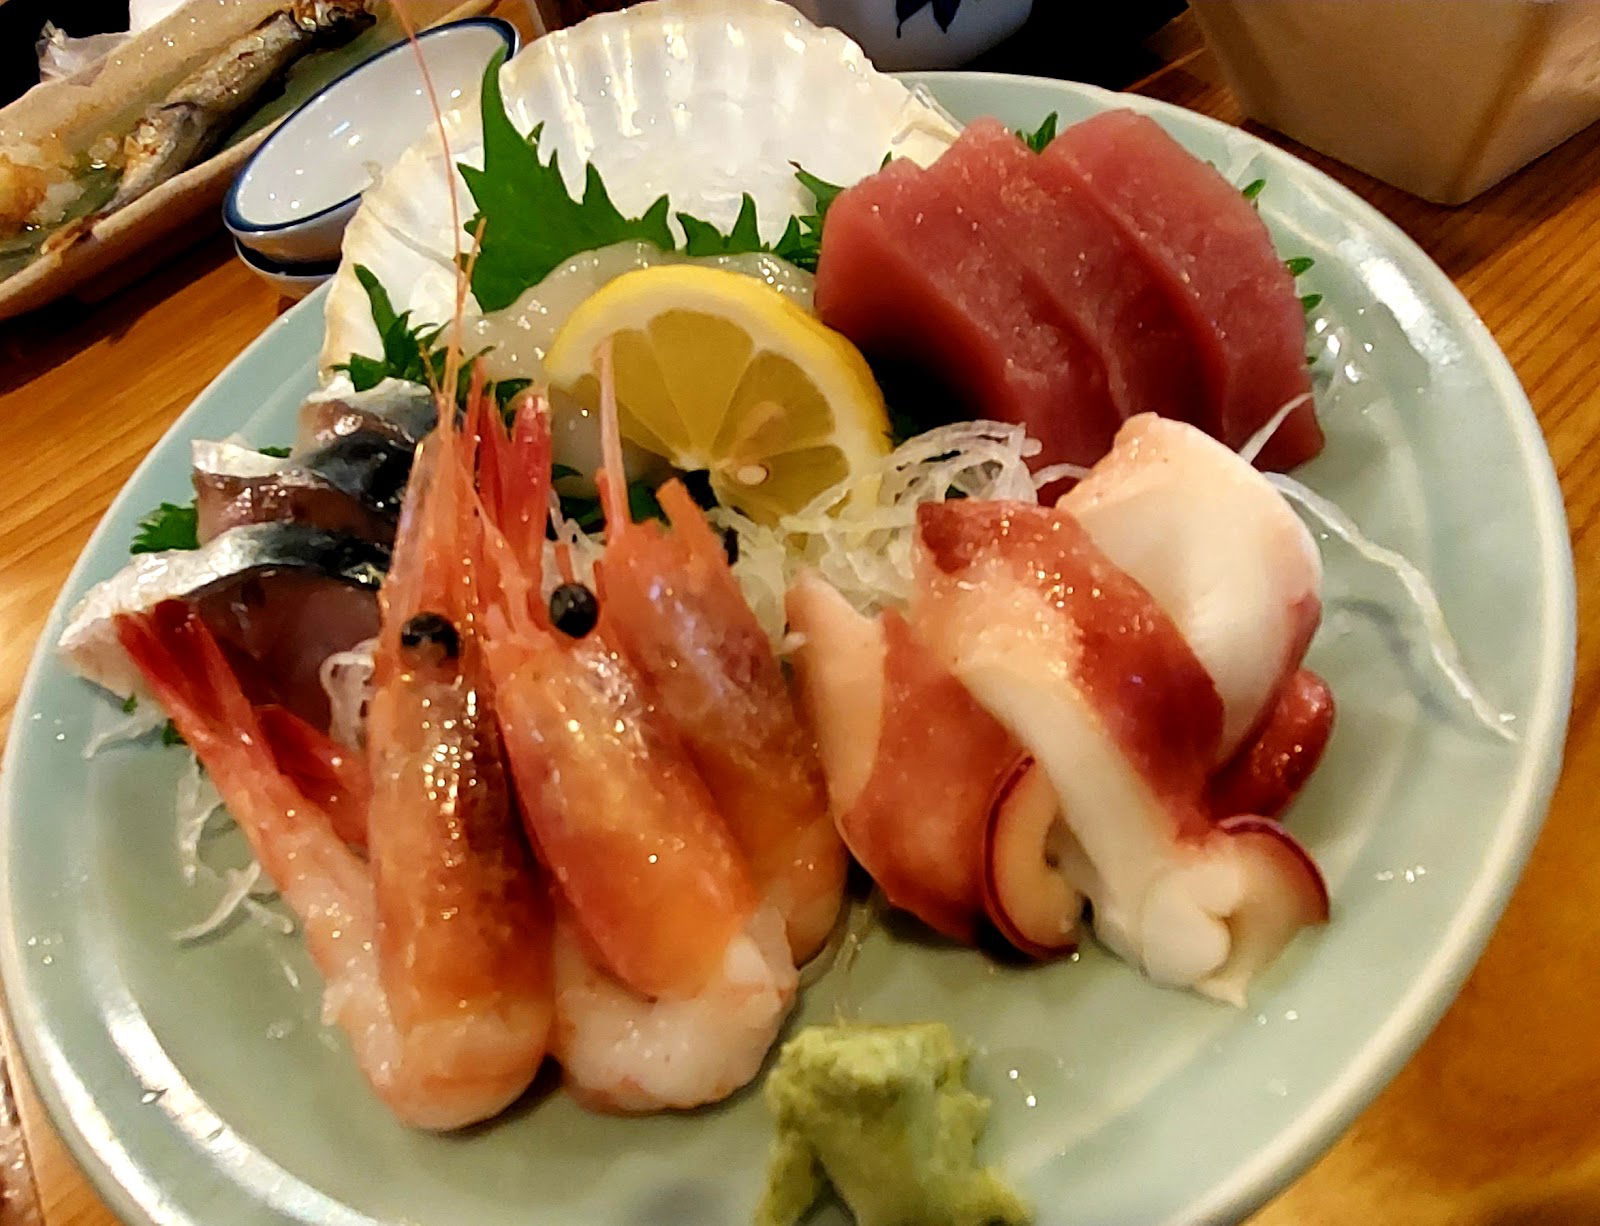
(1204, 238)
(911, 273)
(1091, 277)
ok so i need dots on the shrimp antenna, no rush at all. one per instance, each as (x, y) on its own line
(453, 348)
(613, 483)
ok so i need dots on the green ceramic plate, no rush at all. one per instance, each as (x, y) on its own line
(197, 1087)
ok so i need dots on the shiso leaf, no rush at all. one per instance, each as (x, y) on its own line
(1043, 134)
(169, 526)
(530, 223)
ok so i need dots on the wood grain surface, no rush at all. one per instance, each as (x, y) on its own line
(1495, 1122)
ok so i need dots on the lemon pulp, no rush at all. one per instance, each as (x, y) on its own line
(718, 371)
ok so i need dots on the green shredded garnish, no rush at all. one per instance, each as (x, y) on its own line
(1300, 264)
(1311, 302)
(277, 453)
(170, 734)
(169, 526)
(129, 704)
(1042, 135)
(1250, 191)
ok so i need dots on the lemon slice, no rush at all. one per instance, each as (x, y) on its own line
(718, 371)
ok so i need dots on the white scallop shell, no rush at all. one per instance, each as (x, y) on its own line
(703, 100)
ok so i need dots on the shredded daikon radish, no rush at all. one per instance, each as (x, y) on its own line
(346, 678)
(196, 803)
(1256, 443)
(1442, 647)
(239, 881)
(242, 884)
(196, 806)
(859, 534)
(113, 726)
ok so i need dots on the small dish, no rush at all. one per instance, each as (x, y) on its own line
(292, 280)
(294, 197)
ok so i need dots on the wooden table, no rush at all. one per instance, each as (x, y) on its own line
(1495, 1122)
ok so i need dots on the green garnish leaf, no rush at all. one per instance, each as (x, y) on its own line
(1252, 190)
(277, 453)
(169, 526)
(584, 509)
(411, 353)
(129, 704)
(170, 734)
(1042, 135)
(823, 192)
(530, 224)
(1300, 264)
(642, 502)
(705, 239)
(1311, 302)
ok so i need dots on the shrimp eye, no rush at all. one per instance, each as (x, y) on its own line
(574, 609)
(433, 633)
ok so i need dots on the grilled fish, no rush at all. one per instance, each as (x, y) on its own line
(180, 129)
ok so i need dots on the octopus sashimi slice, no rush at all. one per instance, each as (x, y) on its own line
(913, 762)
(1078, 662)
(1268, 772)
(1218, 549)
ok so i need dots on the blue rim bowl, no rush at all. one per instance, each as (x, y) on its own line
(314, 235)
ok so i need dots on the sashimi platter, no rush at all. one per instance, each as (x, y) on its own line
(785, 643)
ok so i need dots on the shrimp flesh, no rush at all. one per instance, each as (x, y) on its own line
(622, 1052)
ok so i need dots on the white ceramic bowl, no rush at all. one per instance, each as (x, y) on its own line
(291, 280)
(294, 197)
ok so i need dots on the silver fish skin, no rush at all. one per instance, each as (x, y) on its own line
(235, 570)
(351, 486)
(174, 133)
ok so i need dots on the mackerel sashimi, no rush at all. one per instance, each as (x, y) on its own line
(1042, 295)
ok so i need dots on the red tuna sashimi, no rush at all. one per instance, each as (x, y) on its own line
(1092, 277)
(1203, 237)
(908, 271)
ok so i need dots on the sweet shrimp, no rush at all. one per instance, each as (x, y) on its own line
(436, 955)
